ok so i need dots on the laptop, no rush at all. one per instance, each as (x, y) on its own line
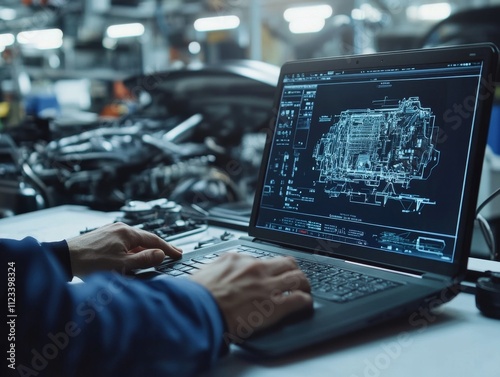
(371, 170)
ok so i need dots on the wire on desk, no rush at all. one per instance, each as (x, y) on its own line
(485, 228)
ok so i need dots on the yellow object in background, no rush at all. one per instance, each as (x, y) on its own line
(4, 109)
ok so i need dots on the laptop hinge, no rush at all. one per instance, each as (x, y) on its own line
(386, 269)
(430, 275)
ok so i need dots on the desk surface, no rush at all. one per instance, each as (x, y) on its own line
(455, 341)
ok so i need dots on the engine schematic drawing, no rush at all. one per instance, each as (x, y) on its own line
(372, 155)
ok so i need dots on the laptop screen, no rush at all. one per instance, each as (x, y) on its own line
(372, 158)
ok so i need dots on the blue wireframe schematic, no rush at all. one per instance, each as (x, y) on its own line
(368, 153)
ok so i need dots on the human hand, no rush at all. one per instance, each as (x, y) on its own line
(253, 294)
(118, 247)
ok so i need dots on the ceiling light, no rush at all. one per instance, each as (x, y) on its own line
(38, 36)
(429, 12)
(217, 23)
(357, 14)
(109, 43)
(125, 30)
(7, 39)
(310, 25)
(194, 48)
(366, 12)
(41, 39)
(49, 45)
(8, 14)
(323, 11)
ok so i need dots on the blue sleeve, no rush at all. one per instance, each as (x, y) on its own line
(108, 326)
(60, 252)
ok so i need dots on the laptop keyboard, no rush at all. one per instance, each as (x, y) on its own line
(327, 282)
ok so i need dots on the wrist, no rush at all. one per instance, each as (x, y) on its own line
(75, 254)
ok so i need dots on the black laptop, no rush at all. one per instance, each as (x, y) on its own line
(369, 179)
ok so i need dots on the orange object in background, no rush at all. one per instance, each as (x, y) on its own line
(37, 2)
(123, 101)
(29, 3)
(121, 92)
(114, 110)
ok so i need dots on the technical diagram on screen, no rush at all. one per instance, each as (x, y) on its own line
(368, 153)
(366, 157)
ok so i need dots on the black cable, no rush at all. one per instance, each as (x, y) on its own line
(488, 235)
(487, 200)
(484, 226)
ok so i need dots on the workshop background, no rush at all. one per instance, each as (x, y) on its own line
(108, 102)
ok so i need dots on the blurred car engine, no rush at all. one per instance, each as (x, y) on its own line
(196, 137)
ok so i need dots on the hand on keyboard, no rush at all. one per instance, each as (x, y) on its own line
(118, 247)
(253, 294)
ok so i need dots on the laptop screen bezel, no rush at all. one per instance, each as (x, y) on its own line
(484, 52)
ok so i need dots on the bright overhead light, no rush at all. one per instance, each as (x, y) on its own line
(323, 11)
(366, 12)
(217, 23)
(109, 43)
(194, 48)
(310, 25)
(125, 30)
(7, 14)
(7, 39)
(429, 12)
(41, 39)
(38, 36)
(49, 44)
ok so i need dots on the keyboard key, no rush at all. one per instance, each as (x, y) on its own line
(203, 260)
(175, 272)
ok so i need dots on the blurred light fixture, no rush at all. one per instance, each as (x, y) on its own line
(429, 12)
(323, 11)
(341, 19)
(217, 23)
(8, 14)
(194, 48)
(41, 39)
(309, 25)
(54, 61)
(366, 12)
(307, 19)
(125, 30)
(7, 39)
(357, 14)
(109, 43)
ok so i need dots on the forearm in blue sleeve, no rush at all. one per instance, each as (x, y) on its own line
(60, 252)
(109, 325)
